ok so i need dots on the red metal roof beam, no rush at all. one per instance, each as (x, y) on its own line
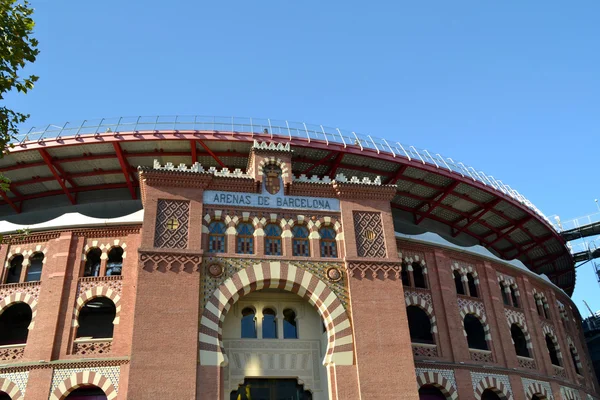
(399, 173)
(319, 163)
(126, 169)
(212, 154)
(59, 179)
(482, 212)
(436, 203)
(336, 164)
(10, 202)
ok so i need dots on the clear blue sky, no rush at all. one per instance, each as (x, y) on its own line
(510, 87)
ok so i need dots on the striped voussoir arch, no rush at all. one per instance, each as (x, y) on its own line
(490, 382)
(84, 378)
(10, 388)
(568, 393)
(513, 319)
(438, 381)
(536, 388)
(98, 291)
(470, 309)
(414, 300)
(20, 297)
(340, 350)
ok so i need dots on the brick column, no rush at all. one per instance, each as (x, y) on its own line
(40, 342)
(39, 384)
(535, 330)
(382, 341)
(454, 324)
(504, 350)
(3, 261)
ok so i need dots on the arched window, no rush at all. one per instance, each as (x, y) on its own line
(87, 393)
(475, 333)
(513, 296)
(575, 358)
(404, 274)
(114, 266)
(505, 298)
(96, 319)
(328, 244)
(472, 285)
(248, 323)
(489, 394)
(536, 397)
(245, 238)
(14, 324)
(518, 338)
(300, 241)
(272, 240)
(546, 308)
(430, 392)
(538, 305)
(419, 325)
(92, 262)
(290, 329)
(216, 237)
(552, 350)
(14, 272)
(34, 272)
(419, 276)
(269, 324)
(460, 288)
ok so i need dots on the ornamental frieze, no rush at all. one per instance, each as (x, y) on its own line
(218, 269)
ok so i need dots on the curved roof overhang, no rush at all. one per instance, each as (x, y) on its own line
(428, 188)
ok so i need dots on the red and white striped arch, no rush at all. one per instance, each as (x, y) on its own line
(340, 350)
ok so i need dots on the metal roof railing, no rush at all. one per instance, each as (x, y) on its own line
(274, 127)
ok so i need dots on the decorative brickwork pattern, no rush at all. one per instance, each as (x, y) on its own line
(231, 266)
(19, 378)
(169, 262)
(539, 388)
(379, 270)
(500, 384)
(559, 372)
(468, 303)
(526, 362)
(172, 217)
(424, 350)
(97, 291)
(114, 283)
(23, 296)
(29, 288)
(370, 241)
(12, 353)
(469, 306)
(11, 386)
(441, 379)
(481, 355)
(287, 277)
(568, 393)
(92, 347)
(65, 380)
(105, 246)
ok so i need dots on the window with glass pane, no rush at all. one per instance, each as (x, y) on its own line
(114, 266)
(269, 324)
(290, 330)
(92, 262)
(272, 240)
(328, 245)
(216, 237)
(34, 272)
(248, 323)
(245, 239)
(404, 275)
(14, 272)
(300, 241)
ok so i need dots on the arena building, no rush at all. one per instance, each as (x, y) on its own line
(206, 258)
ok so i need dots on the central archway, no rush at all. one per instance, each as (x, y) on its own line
(284, 276)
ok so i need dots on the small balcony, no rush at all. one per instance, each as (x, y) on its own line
(12, 352)
(481, 355)
(526, 362)
(424, 350)
(89, 346)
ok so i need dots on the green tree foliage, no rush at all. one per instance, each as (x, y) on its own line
(17, 48)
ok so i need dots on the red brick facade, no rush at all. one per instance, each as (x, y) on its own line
(174, 294)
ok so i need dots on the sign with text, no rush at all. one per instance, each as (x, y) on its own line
(215, 197)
